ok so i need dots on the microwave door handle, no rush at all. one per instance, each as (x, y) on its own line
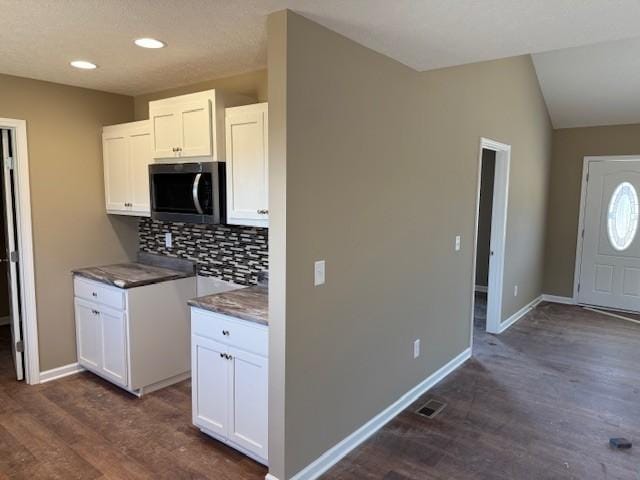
(194, 192)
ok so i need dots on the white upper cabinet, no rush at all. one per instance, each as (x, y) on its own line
(247, 155)
(126, 150)
(187, 127)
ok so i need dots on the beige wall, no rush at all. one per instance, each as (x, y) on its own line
(70, 227)
(252, 84)
(381, 168)
(484, 217)
(570, 146)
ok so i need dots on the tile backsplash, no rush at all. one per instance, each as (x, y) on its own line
(229, 252)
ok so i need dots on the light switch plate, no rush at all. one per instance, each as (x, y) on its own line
(318, 273)
(458, 242)
(515, 291)
(416, 348)
(168, 240)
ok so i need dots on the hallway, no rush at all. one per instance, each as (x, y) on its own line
(538, 402)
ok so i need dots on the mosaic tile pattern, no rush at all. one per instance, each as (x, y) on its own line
(229, 252)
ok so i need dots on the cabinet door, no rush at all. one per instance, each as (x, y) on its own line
(165, 126)
(114, 345)
(248, 422)
(115, 151)
(141, 156)
(247, 165)
(195, 132)
(88, 334)
(210, 385)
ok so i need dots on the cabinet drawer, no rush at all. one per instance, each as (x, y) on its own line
(97, 292)
(242, 334)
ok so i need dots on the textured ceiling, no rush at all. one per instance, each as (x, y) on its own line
(593, 85)
(214, 38)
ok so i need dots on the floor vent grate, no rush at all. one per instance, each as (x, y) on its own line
(431, 408)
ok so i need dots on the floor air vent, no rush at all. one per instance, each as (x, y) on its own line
(431, 408)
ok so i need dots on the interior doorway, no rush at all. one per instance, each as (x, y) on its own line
(20, 338)
(490, 235)
(9, 266)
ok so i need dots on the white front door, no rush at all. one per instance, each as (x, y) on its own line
(610, 264)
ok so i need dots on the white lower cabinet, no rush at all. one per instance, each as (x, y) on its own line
(230, 381)
(136, 338)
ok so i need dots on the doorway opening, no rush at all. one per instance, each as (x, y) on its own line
(490, 236)
(11, 334)
(18, 327)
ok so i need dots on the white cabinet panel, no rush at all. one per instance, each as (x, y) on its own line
(114, 345)
(248, 424)
(88, 334)
(195, 129)
(165, 122)
(210, 385)
(139, 172)
(126, 156)
(230, 384)
(247, 165)
(116, 171)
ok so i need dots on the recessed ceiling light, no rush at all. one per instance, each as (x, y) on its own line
(149, 43)
(83, 64)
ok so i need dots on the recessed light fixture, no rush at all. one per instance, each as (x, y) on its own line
(149, 43)
(83, 64)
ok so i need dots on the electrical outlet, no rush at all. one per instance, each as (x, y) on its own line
(515, 291)
(168, 240)
(318, 273)
(458, 242)
(416, 348)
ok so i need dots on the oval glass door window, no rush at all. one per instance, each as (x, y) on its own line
(622, 223)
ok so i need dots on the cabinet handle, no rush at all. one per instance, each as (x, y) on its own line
(222, 355)
(94, 294)
(225, 333)
(263, 212)
(95, 312)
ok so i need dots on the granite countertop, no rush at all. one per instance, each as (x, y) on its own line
(149, 269)
(251, 304)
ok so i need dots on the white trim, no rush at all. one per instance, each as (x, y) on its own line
(519, 314)
(482, 288)
(557, 299)
(5, 321)
(583, 198)
(25, 250)
(498, 234)
(60, 372)
(270, 477)
(619, 316)
(338, 451)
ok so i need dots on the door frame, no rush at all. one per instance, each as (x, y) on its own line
(498, 234)
(25, 248)
(583, 199)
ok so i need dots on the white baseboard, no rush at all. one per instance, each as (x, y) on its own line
(520, 313)
(336, 453)
(60, 372)
(5, 321)
(558, 299)
(482, 288)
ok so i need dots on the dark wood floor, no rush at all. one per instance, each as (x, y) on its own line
(538, 402)
(81, 427)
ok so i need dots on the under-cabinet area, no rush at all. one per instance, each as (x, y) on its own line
(194, 302)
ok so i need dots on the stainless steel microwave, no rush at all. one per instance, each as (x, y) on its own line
(188, 192)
